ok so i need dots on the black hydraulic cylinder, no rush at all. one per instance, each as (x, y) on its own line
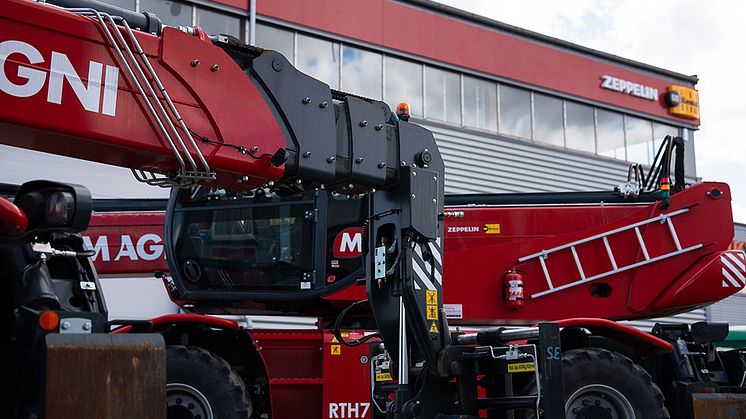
(146, 22)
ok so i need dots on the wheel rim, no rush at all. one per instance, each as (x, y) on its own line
(186, 402)
(598, 401)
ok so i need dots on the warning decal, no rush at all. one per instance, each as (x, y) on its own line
(434, 328)
(336, 349)
(521, 367)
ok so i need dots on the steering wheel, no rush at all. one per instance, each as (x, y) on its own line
(13, 221)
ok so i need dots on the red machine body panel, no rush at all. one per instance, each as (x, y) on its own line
(59, 65)
(487, 242)
(313, 376)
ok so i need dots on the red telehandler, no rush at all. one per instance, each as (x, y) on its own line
(271, 166)
(227, 122)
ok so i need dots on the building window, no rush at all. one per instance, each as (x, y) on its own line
(581, 134)
(442, 95)
(404, 84)
(639, 138)
(515, 112)
(548, 120)
(480, 104)
(362, 72)
(219, 23)
(610, 134)
(170, 12)
(319, 59)
(280, 40)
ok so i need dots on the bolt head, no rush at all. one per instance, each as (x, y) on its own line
(87, 326)
(195, 63)
(381, 165)
(331, 159)
(65, 325)
(363, 124)
(323, 105)
(306, 100)
(214, 68)
(307, 155)
(379, 127)
(277, 65)
(359, 160)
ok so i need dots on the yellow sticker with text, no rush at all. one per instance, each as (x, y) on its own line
(336, 350)
(521, 367)
(431, 297)
(384, 376)
(492, 229)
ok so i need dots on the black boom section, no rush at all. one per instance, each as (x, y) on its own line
(306, 106)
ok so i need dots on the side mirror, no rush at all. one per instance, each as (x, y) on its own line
(54, 206)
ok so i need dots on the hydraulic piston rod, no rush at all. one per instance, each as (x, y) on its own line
(497, 336)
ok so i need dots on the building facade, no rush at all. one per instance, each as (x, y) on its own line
(511, 110)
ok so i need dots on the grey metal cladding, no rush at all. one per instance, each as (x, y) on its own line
(306, 104)
(485, 163)
(369, 145)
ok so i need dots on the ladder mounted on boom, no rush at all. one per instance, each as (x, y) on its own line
(666, 218)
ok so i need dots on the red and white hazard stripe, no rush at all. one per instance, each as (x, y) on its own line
(734, 269)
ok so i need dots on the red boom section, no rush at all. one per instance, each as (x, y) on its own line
(652, 273)
(64, 90)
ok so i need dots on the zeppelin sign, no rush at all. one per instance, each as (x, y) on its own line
(628, 87)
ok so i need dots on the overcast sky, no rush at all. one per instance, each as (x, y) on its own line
(688, 36)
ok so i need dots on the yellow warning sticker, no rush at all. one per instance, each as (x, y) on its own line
(432, 312)
(521, 367)
(336, 349)
(431, 297)
(434, 328)
(334, 339)
(492, 229)
(384, 376)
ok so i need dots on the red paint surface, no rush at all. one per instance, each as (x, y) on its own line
(415, 31)
(625, 334)
(13, 221)
(207, 100)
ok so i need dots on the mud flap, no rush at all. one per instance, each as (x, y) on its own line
(105, 376)
(719, 405)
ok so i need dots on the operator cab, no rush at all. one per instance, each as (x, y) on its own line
(233, 250)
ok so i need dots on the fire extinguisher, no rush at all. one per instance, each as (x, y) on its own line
(513, 289)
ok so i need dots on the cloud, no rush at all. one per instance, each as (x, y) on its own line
(688, 36)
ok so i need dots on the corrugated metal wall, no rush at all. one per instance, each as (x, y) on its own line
(488, 164)
(478, 163)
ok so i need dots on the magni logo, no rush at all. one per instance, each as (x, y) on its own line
(29, 80)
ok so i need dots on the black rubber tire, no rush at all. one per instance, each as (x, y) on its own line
(212, 377)
(589, 366)
(583, 368)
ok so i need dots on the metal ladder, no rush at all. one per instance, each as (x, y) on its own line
(663, 218)
(145, 80)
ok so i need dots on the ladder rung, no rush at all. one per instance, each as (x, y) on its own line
(577, 262)
(673, 233)
(611, 255)
(546, 273)
(642, 243)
